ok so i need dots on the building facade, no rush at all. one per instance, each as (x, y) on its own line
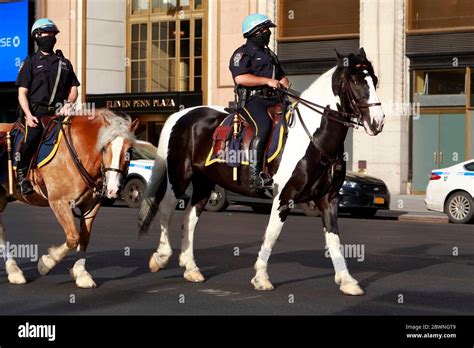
(150, 58)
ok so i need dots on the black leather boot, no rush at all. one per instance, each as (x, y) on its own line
(23, 186)
(257, 178)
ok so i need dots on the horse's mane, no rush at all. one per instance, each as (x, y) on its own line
(116, 126)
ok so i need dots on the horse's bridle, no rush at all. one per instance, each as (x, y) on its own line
(124, 173)
(343, 117)
(357, 105)
(97, 186)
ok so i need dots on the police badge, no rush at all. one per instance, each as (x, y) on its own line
(237, 58)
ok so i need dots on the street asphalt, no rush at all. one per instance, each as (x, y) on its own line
(406, 268)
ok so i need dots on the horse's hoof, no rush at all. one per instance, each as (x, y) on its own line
(153, 264)
(85, 281)
(262, 284)
(194, 276)
(158, 262)
(45, 264)
(15, 275)
(82, 277)
(16, 278)
(352, 289)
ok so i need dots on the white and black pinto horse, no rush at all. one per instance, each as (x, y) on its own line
(310, 168)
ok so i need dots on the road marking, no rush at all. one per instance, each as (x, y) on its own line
(217, 292)
(246, 298)
(159, 290)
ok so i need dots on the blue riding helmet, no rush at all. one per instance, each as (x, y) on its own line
(254, 22)
(44, 25)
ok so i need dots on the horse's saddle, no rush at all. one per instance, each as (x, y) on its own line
(46, 151)
(231, 139)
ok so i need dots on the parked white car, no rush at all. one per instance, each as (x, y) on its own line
(451, 191)
(139, 173)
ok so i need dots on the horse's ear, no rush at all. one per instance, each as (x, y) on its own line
(361, 53)
(339, 56)
(134, 125)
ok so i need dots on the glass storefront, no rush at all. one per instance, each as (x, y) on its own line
(444, 130)
(440, 14)
(303, 19)
(166, 46)
(165, 50)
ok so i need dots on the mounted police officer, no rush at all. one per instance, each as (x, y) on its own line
(257, 72)
(45, 81)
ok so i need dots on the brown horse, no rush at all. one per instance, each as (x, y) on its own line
(101, 145)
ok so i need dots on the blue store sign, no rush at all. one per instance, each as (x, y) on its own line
(13, 38)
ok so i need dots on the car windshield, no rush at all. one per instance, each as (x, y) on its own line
(143, 150)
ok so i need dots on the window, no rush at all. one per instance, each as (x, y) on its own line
(139, 57)
(173, 50)
(163, 56)
(198, 54)
(472, 88)
(304, 19)
(139, 6)
(440, 87)
(440, 14)
(170, 6)
(184, 59)
(443, 82)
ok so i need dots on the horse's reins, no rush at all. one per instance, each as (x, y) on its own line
(328, 113)
(347, 117)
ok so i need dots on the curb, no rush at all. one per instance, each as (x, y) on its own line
(432, 219)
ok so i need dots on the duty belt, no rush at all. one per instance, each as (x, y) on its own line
(262, 93)
(40, 110)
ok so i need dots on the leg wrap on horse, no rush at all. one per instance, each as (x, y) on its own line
(334, 245)
(264, 254)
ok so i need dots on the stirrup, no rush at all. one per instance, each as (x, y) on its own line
(25, 187)
(266, 182)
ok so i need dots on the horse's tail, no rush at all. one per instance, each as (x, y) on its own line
(153, 195)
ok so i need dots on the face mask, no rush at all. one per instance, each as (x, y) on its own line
(46, 43)
(261, 39)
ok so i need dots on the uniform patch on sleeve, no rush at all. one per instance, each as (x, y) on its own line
(237, 58)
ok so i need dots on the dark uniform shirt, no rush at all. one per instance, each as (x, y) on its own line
(38, 74)
(251, 59)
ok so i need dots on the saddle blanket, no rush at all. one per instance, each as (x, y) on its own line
(225, 140)
(47, 150)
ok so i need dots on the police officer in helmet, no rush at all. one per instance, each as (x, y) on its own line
(47, 85)
(257, 72)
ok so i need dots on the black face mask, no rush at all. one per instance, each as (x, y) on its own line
(46, 43)
(261, 39)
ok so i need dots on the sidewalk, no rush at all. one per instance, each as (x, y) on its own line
(412, 208)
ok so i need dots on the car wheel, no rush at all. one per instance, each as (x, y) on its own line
(262, 209)
(364, 213)
(133, 191)
(459, 208)
(310, 209)
(217, 201)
